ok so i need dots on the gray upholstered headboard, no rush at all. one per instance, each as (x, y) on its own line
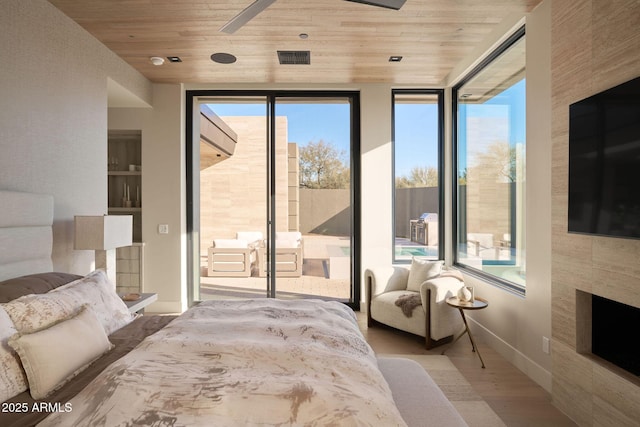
(26, 236)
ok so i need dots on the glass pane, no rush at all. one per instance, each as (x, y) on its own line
(313, 198)
(306, 179)
(491, 168)
(233, 197)
(416, 165)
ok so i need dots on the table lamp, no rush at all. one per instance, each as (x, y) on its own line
(104, 234)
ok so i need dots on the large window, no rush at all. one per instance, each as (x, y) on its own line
(490, 160)
(417, 145)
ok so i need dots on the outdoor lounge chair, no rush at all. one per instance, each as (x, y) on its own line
(482, 245)
(288, 254)
(230, 258)
(255, 239)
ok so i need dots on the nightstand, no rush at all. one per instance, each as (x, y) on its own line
(138, 305)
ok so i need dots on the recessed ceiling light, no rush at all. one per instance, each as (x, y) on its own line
(395, 58)
(223, 58)
(156, 60)
(174, 59)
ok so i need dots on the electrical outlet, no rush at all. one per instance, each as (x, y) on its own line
(545, 345)
(163, 228)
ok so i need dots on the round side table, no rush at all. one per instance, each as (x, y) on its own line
(476, 304)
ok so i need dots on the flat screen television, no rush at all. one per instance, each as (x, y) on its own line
(604, 163)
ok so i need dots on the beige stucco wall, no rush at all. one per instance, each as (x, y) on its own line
(53, 116)
(514, 325)
(233, 192)
(163, 188)
(325, 211)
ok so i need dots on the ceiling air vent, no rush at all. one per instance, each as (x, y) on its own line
(294, 57)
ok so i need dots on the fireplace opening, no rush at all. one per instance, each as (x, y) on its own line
(614, 333)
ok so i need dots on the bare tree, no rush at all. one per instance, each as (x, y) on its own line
(501, 159)
(419, 176)
(322, 166)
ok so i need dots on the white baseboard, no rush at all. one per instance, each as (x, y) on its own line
(530, 368)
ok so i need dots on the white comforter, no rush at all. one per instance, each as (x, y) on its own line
(243, 363)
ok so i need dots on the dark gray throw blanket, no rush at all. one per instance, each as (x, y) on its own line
(408, 302)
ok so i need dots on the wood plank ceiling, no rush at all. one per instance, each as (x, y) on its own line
(349, 42)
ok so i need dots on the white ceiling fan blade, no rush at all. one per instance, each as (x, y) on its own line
(245, 16)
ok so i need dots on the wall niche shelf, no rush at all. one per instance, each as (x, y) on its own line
(125, 185)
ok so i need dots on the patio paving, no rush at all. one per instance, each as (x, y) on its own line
(314, 282)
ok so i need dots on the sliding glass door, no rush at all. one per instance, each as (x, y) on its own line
(271, 186)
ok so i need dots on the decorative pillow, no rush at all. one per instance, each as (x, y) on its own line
(53, 356)
(230, 243)
(289, 235)
(33, 284)
(98, 292)
(32, 313)
(287, 244)
(254, 238)
(12, 377)
(421, 270)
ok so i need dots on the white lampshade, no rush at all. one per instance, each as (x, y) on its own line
(103, 232)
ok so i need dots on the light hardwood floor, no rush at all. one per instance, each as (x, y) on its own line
(515, 398)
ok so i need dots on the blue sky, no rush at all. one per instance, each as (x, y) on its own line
(416, 131)
(416, 137)
(306, 122)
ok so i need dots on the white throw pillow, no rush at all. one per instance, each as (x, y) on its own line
(422, 270)
(230, 243)
(287, 244)
(289, 235)
(53, 356)
(12, 377)
(254, 238)
(32, 313)
(98, 292)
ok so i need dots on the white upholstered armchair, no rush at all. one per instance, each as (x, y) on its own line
(399, 297)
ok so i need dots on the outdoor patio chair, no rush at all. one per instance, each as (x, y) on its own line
(230, 258)
(255, 239)
(481, 243)
(288, 254)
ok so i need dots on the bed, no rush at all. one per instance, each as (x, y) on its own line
(245, 362)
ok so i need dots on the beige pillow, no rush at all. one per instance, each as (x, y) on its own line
(53, 356)
(98, 292)
(422, 270)
(12, 377)
(32, 313)
(230, 243)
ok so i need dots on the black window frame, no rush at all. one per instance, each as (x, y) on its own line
(441, 171)
(486, 277)
(355, 162)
